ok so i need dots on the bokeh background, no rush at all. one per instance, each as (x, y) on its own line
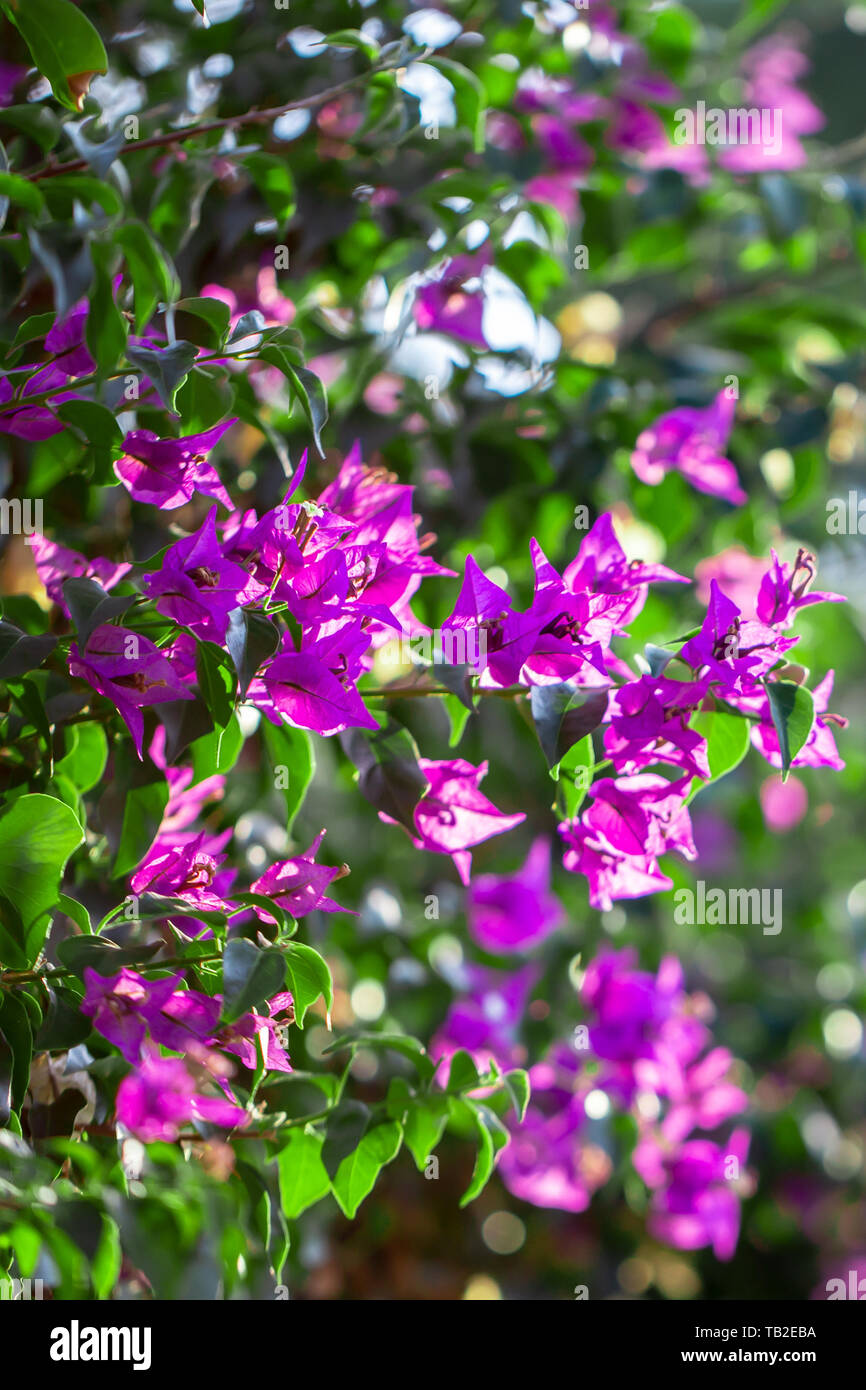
(758, 277)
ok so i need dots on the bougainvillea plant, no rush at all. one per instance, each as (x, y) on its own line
(281, 287)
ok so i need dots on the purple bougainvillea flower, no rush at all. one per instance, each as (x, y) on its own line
(190, 1019)
(454, 814)
(484, 1020)
(168, 472)
(197, 586)
(161, 1096)
(453, 302)
(184, 871)
(54, 564)
(549, 1160)
(772, 68)
(299, 687)
(649, 720)
(483, 610)
(784, 590)
(298, 885)
(601, 565)
(512, 913)
(33, 422)
(643, 815)
(630, 1005)
(702, 1096)
(129, 670)
(121, 1005)
(692, 442)
(610, 875)
(10, 75)
(638, 131)
(185, 800)
(254, 1031)
(732, 653)
(694, 1203)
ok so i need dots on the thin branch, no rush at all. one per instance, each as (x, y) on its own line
(174, 137)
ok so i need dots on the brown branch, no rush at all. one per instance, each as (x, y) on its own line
(174, 137)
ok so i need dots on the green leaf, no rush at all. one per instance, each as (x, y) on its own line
(563, 716)
(792, 709)
(204, 400)
(98, 154)
(216, 681)
(463, 1073)
(250, 976)
(727, 738)
(303, 1177)
(153, 276)
(574, 775)
(131, 809)
(105, 330)
(20, 653)
(16, 1032)
(105, 1266)
(403, 1043)
(86, 755)
(217, 751)
(21, 192)
(291, 749)
(39, 123)
(63, 43)
(89, 606)
(63, 251)
(346, 1126)
(305, 386)
(99, 427)
(64, 1025)
(425, 1122)
(308, 977)
(185, 722)
(273, 178)
(77, 912)
(80, 953)
(358, 1172)
(390, 776)
(516, 1083)
(212, 312)
(314, 403)
(166, 368)
(493, 1136)
(37, 835)
(251, 640)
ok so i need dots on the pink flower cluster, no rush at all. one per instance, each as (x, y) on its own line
(138, 1016)
(646, 1047)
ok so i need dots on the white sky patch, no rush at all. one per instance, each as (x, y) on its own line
(152, 55)
(428, 354)
(525, 228)
(306, 41)
(434, 92)
(291, 124)
(117, 96)
(218, 11)
(432, 28)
